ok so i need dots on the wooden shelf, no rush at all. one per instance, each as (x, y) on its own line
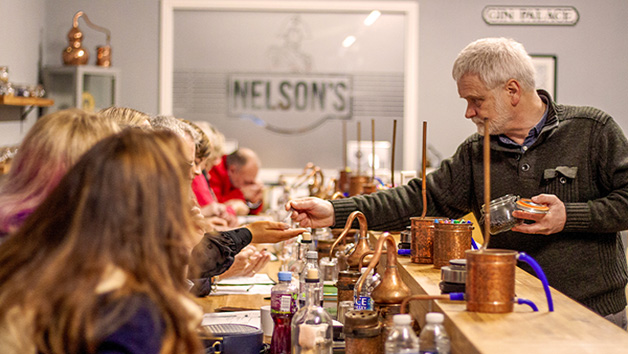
(25, 101)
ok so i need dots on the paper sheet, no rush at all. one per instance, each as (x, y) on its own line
(256, 279)
(242, 289)
(251, 318)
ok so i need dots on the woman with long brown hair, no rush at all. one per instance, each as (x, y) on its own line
(101, 264)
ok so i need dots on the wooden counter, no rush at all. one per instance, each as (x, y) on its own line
(571, 328)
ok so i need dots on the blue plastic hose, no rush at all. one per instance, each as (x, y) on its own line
(474, 246)
(521, 301)
(541, 275)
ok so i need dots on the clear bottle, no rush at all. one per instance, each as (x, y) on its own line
(402, 339)
(283, 306)
(312, 327)
(433, 338)
(363, 300)
(311, 262)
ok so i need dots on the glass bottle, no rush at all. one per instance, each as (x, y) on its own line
(363, 300)
(312, 328)
(433, 338)
(311, 262)
(283, 306)
(402, 339)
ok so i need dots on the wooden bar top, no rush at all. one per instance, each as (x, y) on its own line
(571, 328)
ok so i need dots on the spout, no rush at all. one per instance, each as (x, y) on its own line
(363, 256)
(363, 229)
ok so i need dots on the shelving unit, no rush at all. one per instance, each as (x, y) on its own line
(14, 106)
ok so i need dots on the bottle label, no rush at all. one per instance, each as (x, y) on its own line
(362, 303)
(283, 304)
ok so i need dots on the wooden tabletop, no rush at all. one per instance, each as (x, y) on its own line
(571, 328)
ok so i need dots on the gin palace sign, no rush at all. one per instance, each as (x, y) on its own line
(531, 15)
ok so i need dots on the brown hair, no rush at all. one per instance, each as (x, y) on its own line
(109, 213)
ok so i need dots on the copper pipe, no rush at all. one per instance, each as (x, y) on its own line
(362, 245)
(360, 262)
(304, 176)
(359, 150)
(424, 167)
(391, 289)
(405, 301)
(392, 160)
(487, 185)
(337, 195)
(373, 150)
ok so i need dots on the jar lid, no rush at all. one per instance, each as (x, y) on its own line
(526, 204)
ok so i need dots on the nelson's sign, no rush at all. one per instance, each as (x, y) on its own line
(328, 95)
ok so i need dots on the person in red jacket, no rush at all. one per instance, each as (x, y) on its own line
(234, 181)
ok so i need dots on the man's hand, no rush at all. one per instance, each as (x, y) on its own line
(311, 212)
(253, 192)
(545, 224)
(272, 232)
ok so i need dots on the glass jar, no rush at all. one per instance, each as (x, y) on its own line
(501, 212)
(4, 75)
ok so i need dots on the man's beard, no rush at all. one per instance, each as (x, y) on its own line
(495, 125)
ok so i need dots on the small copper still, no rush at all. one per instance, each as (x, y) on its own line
(388, 295)
(490, 285)
(363, 332)
(450, 242)
(75, 54)
(422, 241)
(361, 247)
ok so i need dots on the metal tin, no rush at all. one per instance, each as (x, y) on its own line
(346, 283)
(422, 240)
(362, 332)
(450, 242)
(455, 272)
(490, 285)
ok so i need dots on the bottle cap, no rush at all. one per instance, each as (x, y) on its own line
(434, 317)
(306, 237)
(311, 255)
(402, 319)
(284, 276)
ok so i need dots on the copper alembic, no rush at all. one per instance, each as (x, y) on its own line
(75, 54)
(353, 259)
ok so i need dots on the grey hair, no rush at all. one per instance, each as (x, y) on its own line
(176, 126)
(495, 61)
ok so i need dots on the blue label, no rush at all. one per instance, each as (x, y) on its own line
(362, 303)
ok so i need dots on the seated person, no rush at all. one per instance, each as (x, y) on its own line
(52, 145)
(234, 181)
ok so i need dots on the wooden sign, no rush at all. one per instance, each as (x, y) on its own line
(531, 15)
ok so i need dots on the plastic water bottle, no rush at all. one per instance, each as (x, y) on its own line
(402, 339)
(363, 300)
(283, 306)
(433, 338)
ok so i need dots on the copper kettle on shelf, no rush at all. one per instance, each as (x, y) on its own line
(75, 54)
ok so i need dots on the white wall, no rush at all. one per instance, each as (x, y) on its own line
(592, 55)
(21, 26)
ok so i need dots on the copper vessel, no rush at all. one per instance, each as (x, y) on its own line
(343, 181)
(422, 241)
(450, 242)
(356, 185)
(363, 332)
(74, 53)
(346, 283)
(369, 188)
(103, 56)
(490, 285)
(361, 247)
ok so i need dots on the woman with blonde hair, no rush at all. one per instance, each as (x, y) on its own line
(106, 271)
(126, 117)
(49, 149)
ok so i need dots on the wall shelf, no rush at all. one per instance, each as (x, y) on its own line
(12, 106)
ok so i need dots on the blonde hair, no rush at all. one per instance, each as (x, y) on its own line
(126, 117)
(495, 61)
(216, 137)
(53, 145)
(123, 206)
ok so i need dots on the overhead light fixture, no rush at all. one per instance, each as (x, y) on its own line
(348, 42)
(372, 17)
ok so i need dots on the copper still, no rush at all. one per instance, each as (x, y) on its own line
(361, 247)
(363, 332)
(391, 291)
(356, 185)
(450, 241)
(75, 54)
(490, 285)
(422, 241)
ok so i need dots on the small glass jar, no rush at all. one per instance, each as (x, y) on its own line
(501, 212)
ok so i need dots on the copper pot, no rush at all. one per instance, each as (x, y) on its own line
(490, 285)
(356, 184)
(450, 242)
(422, 241)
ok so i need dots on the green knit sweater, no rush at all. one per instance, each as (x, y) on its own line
(581, 156)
